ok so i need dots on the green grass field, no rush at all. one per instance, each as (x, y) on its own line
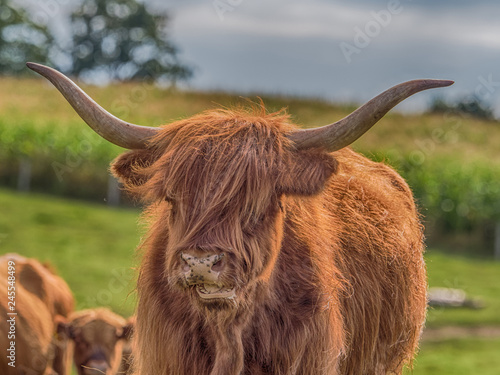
(467, 356)
(92, 247)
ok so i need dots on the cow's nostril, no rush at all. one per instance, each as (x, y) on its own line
(219, 263)
(185, 262)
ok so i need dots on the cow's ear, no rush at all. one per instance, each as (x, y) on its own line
(306, 172)
(127, 329)
(130, 167)
(63, 328)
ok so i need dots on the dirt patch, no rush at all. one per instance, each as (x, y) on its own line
(453, 332)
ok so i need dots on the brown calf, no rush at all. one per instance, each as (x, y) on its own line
(37, 299)
(101, 341)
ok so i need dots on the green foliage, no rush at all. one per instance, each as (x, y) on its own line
(72, 161)
(124, 40)
(453, 194)
(21, 39)
(457, 196)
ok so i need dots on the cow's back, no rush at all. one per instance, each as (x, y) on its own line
(381, 247)
(40, 296)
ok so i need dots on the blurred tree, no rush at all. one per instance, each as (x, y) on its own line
(475, 108)
(123, 40)
(21, 39)
(471, 106)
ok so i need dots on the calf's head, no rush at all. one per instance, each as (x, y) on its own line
(98, 337)
(218, 183)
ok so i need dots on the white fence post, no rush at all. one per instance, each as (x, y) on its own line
(114, 192)
(24, 176)
(497, 241)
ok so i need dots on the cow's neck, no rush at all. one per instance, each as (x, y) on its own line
(229, 351)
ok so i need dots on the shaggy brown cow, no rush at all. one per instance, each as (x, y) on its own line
(272, 250)
(41, 298)
(100, 337)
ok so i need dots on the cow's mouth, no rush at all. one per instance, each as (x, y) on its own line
(211, 291)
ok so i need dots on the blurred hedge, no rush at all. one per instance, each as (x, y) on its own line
(73, 161)
(453, 195)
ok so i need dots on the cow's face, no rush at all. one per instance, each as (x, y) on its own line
(98, 342)
(219, 187)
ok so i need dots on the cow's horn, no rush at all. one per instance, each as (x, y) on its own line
(109, 127)
(344, 132)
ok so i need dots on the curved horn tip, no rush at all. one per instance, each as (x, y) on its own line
(342, 133)
(447, 82)
(36, 67)
(441, 82)
(43, 70)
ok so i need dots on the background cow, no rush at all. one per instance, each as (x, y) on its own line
(272, 250)
(41, 300)
(101, 341)
(128, 351)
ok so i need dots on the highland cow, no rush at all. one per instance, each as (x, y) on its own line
(272, 250)
(34, 300)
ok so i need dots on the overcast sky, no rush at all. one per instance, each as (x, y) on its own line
(337, 50)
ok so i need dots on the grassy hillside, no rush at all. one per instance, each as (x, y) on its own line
(24, 101)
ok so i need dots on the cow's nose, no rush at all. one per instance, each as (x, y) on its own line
(95, 367)
(202, 270)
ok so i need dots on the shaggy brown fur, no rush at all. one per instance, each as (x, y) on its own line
(41, 299)
(99, 338)
(324, 252)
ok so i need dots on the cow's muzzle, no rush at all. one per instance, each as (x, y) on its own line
(96, 364)
(204, 273)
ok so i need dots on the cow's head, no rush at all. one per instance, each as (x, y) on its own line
(219, 181)
(98, 337)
